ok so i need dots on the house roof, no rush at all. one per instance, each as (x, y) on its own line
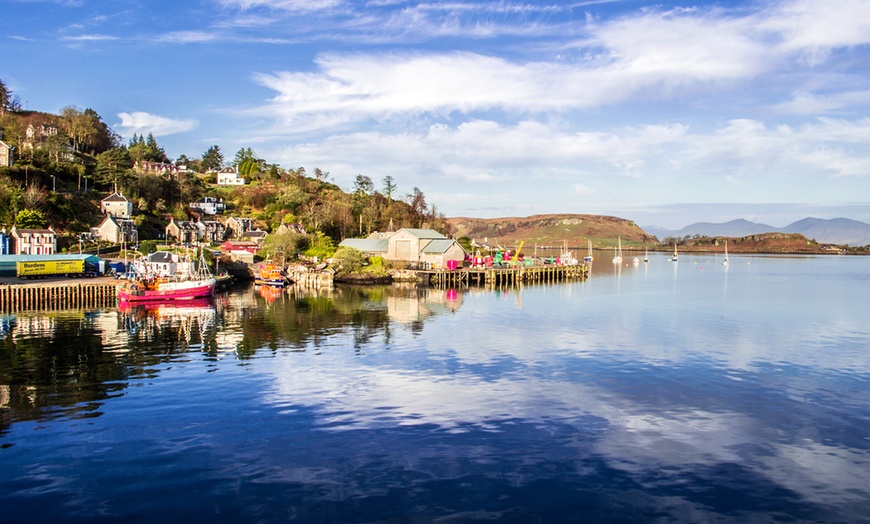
(366, 245)
(115, 197)
(161, 257)
(16, 231)
(422, 233)
(439, 245)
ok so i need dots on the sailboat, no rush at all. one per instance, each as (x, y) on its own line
(725, 262)
(588, 257)
(676, 256)
(617, 255)
(646, 255)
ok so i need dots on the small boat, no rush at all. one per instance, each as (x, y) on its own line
(676, 256)
(617, 254)
(270, 274)
(646, 255)
(725, 262)
(636, 261)
(588, 257)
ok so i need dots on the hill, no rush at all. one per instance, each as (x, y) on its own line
(552, 230)
(840, 231)
(603, 231)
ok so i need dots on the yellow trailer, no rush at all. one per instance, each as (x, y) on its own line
(46, 268)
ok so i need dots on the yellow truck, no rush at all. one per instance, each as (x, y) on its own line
(49, 268)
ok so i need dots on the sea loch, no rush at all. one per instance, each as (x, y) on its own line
(685, 391)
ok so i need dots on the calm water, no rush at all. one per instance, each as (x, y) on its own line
(665, 392)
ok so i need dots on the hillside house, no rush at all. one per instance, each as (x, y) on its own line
(182, 231)
(7, 154)
(37, 134)
(34, 241)
(237, 226)
(209, 205)
(228, 176)
(257, 236)
(116, 229)
(210, 231)
(414, 247)
(116, 205)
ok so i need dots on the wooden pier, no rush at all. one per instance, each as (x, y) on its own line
(57, 296)
(498, 277)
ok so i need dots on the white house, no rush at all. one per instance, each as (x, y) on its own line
(116, 205)
(210, 205)
(228, 176)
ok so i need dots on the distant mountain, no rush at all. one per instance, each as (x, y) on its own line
(841, 231)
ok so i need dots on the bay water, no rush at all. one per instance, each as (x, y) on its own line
(659, 392)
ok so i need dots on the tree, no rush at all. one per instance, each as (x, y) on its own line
(154, 152)
(363, 185)
(212, 158)
(348, 260)
(247, 163)
(5, 96)
(113, 165)
(80, 127)
(389, 187)
(417, 201)
(30, 219)
(103, 139)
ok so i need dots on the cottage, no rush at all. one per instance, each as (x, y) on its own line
(415, 247)
(117, 205)
(36, 135)
(237, 226)
(210, 231)
(119, 230)
(183, 231)
(34, 241)
(228, 176)
(256, 236)
(209, 205)
(7, 154)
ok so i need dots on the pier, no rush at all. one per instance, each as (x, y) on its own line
(57, 296)
(497, 277)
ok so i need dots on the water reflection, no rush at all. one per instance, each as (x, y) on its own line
(712, 396)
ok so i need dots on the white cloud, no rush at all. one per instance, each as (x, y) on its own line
(815, 28)
(141, 123)
(806, 103)
(284, 5)
(186, 37)
(90, 38)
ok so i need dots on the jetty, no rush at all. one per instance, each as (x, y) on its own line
(498, 277)
(57, 296)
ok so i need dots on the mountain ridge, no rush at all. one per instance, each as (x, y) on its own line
(840, 231)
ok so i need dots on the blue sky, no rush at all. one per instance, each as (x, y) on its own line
(664, 113)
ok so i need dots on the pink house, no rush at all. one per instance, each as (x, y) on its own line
(34, 241)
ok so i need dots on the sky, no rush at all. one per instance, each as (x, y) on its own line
(662, 113)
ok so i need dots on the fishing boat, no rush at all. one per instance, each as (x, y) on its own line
(180, 285)
(270, 274)
(725, 262)
(617, 254)
(676, 256)
(588, 257)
